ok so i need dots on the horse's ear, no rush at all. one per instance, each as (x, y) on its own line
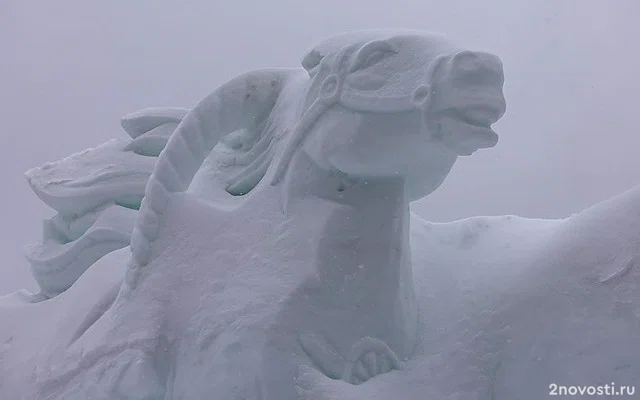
(311, 61)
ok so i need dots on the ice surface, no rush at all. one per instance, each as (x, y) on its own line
(274, 256)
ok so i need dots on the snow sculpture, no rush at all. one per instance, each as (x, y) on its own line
(95, 193)
(375, 121)
(270, 257)
(273, 232)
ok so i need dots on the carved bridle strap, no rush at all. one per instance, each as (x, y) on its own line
(332, 91)
(328, 95)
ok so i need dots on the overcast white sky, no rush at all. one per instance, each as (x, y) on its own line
(69, 69)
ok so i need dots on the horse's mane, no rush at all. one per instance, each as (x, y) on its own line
(242, 158)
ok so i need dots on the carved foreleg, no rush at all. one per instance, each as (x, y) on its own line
(368, 358)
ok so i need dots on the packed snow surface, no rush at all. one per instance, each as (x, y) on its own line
(507, 305)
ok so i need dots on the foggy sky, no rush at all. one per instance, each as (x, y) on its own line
(70, 69)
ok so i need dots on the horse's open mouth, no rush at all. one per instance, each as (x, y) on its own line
(465, 136)
(482, 116)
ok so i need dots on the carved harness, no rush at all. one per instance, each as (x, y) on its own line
(333, 91)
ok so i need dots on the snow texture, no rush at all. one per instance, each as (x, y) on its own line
(274, 255)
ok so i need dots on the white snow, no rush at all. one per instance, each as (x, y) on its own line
(511, 306)
(274, 255)
(507, 306)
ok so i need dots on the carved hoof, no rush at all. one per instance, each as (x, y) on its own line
(368, 358)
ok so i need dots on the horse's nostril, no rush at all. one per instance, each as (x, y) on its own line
(465, 60)
(476, 61)
(470, 67)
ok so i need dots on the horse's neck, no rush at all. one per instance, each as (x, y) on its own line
(363, 254)
(368, 212)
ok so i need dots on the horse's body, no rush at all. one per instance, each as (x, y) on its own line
(504, 312)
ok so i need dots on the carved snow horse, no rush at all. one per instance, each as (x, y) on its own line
(278, 215)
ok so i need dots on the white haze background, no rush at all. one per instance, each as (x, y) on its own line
(70, 69)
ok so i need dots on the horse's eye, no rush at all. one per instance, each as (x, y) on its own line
(364, 80)
(370, 54)
(372, 59)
